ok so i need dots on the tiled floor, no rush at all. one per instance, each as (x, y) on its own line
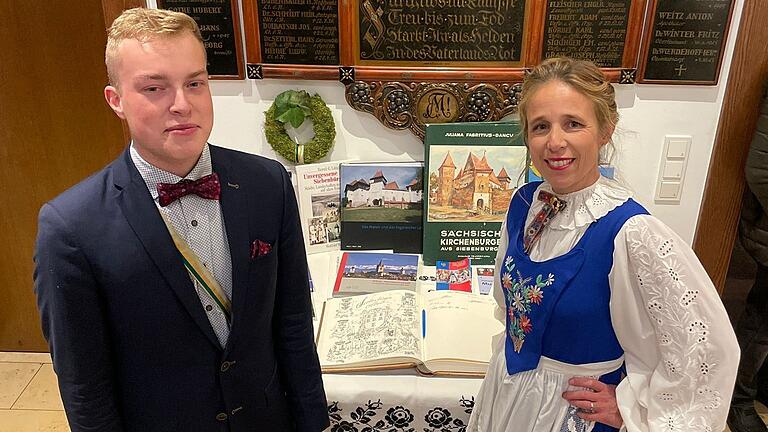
(29, 396)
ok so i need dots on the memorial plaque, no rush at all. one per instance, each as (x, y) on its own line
(220, 28)
(304, 32)
(440, 32)
(686, 41)
(587, 30)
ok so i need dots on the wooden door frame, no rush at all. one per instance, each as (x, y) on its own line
(721, 203)
(112, 9)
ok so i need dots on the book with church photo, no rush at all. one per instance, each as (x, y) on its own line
(370, 272)
(472, 171)
(437, 332)
(381, 206)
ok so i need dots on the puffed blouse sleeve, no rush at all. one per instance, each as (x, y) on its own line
(681, 353)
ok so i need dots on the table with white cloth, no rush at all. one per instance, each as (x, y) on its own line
(399, 400)
(390, 400)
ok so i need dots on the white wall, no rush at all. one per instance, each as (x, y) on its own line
(648, 113)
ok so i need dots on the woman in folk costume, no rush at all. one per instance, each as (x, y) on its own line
(611, 321)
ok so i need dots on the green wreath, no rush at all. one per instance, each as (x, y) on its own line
(293, 107)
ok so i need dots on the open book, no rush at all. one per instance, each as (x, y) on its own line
(438, 332)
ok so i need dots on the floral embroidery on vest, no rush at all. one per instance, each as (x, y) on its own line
(521, 295)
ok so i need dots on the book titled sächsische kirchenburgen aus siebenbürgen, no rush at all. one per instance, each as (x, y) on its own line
(471, 172)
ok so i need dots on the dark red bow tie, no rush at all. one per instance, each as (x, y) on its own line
(204, 187)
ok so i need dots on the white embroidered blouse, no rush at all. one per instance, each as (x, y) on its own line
(681, 354)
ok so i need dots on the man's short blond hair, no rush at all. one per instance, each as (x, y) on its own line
(144, 25)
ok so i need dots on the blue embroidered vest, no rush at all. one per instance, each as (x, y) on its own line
(560, 308)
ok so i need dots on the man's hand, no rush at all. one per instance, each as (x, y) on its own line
(597, 402)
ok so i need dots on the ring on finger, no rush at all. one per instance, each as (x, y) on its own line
(591, 407)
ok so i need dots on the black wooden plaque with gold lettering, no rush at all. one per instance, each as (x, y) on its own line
(440, 32)
(594, 30)
(304, 32)
(220, 28)
(686, 41)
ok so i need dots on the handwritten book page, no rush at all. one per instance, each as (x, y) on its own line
(460, 328)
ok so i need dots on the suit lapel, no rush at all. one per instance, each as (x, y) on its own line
(145, 220)
(234, 208)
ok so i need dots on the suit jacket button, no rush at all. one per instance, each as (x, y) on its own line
(226, 365)
(221, 416)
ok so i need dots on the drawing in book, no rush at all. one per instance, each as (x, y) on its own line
(438, 332)
(478, 189)
(366, 328)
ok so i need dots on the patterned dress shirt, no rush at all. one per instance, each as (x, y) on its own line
(200, 223)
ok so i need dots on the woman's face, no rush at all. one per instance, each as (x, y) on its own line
(564, 137)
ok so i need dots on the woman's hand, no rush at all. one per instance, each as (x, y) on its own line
(597, 402)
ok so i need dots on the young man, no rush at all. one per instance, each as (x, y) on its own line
(173, 285)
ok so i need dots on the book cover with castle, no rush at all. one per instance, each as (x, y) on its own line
(473, 169)
(381, 206)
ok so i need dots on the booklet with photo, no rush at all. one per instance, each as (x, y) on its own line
(454, 275)
(317, 190)
(484, 279)
(366, 273)
(437, 332)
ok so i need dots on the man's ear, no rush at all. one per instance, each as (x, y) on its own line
(113, 99)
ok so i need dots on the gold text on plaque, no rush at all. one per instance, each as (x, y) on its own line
(438, 106)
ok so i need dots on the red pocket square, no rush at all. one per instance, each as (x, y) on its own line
(260, 248)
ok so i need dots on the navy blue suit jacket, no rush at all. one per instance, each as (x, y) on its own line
(130, 341)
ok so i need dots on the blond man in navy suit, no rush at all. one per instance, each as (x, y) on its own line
(141, 340)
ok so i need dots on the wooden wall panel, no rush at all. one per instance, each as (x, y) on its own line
(55, 129)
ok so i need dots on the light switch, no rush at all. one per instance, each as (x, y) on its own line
(669, 190)
(677, 147)
(673, 169)
(674, 158)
